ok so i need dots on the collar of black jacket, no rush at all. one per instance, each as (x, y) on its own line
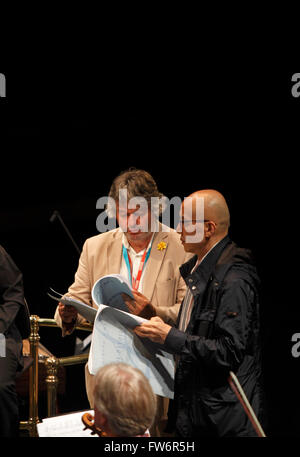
(199, 278)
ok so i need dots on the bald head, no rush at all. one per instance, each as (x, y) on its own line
(205, 221)
(215, 208)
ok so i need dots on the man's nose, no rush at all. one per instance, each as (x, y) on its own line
(133, 220)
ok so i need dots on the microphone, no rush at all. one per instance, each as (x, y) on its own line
(56, 215)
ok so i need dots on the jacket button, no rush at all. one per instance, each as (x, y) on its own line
(190, 280)
(194, 287)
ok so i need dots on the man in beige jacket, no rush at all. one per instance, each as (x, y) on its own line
(150, 259)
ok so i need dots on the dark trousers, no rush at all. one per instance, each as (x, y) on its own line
(9, 410)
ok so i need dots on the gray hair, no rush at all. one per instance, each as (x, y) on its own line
(123, 394)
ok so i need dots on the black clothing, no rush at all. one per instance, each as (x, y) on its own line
(222, 335)
(14, 325)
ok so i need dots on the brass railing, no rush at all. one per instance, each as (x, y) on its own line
(52, 364)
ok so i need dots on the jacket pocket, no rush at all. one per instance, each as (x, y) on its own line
(165, 292)
(204, 323)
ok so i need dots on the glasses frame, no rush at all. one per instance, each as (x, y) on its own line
(194, 221)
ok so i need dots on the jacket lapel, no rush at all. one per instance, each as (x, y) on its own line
(114, 253)
(154, 263)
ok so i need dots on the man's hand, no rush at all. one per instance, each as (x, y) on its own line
(67, 313)
(156, 330)
(140, 305)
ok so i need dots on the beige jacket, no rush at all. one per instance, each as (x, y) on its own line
(162, 283)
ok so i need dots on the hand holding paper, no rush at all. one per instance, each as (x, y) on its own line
(139, 305)
(68, 304)
(155, 329)
(120, 312)
(67, 313)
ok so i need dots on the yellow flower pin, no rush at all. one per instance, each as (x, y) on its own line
(161, 246)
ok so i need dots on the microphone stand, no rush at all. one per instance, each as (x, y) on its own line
(57, 215)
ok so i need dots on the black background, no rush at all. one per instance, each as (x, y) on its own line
(223, 118)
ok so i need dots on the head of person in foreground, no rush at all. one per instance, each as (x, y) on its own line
(124, 402)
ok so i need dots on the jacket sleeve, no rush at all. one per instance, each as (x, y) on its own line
(11, 291)
(231, 330)
(79, 290)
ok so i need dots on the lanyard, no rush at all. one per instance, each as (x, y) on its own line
(135, 282)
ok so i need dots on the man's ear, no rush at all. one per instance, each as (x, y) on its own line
(101, 420)
(209, 229)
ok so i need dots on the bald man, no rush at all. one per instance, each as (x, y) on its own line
(218, 326)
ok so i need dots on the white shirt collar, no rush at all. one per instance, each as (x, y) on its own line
(127, 245)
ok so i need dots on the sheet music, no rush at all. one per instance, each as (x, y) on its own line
(87, 311)
(114, 341)
(108, 291)
(66, 425)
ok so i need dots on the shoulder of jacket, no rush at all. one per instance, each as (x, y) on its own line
(103, 237)
(238, 277)
(171, 233)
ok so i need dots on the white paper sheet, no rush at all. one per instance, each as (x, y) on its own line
(66, 425)
(113, 341)
(87, 311)
(108, 291)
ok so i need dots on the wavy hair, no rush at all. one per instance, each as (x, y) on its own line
(138, 183)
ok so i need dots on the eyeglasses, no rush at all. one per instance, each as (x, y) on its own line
(193, 221)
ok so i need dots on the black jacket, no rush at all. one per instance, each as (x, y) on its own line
(14, 314)
(222, 335)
